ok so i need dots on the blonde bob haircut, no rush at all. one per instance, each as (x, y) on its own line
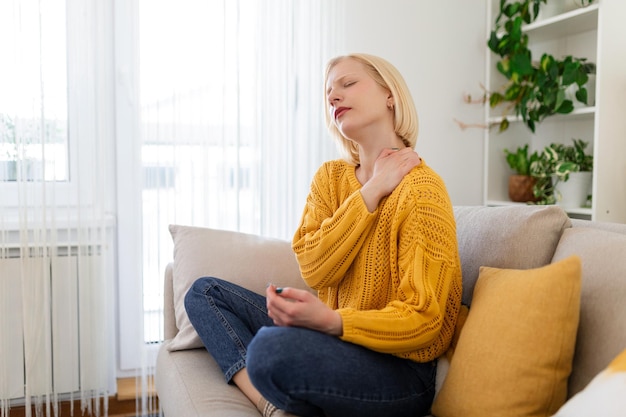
(386, 75)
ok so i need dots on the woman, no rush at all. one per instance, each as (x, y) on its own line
(377, 240)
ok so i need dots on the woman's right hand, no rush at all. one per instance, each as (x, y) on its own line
(300, 308)
(389, 169)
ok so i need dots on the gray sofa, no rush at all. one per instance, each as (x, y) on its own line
(189, 383)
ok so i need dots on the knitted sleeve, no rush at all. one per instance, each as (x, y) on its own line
(331, 229)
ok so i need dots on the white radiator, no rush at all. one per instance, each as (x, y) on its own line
(48, 344)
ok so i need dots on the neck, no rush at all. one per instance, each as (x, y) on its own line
(369, 152)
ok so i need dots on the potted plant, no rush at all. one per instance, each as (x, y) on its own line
(561, 164)
(555, 7)
(534, 90)
(521, 183)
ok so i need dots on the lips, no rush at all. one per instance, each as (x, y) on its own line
(339, 111)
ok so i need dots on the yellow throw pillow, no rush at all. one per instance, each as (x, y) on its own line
(604, 396)
(515, 352)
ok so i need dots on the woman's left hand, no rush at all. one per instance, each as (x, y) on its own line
(390, 168)
(300, 308)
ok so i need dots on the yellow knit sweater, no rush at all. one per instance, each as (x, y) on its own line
(394, 275)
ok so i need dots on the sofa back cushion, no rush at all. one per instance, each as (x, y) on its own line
(247, 260)
(512, 237)
(602, 325)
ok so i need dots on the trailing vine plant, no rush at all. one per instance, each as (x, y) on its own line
(554, 164)
(534, 89)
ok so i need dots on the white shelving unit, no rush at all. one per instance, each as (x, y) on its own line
(595, 32)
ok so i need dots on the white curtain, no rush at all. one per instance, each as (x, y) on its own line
(232, 125)
(199, 112)
(56, 218)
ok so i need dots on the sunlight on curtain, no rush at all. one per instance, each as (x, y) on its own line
(231, 119)
(56, 228)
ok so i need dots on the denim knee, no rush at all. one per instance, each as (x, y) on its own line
(199, 287)
(263, 355)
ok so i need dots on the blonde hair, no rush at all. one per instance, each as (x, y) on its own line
(405, 121)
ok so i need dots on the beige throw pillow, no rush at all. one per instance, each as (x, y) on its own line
(247, 260)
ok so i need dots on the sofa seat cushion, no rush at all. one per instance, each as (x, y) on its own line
(201, 252)
(515, 351)
(515, 237)
(191, 384)
(602, 329)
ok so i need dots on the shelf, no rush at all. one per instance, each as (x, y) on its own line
(581, 113)
(595, 32)
(570, 23)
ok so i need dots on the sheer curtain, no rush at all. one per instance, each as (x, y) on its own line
(232, 125)
(56, 223)
(221, 126)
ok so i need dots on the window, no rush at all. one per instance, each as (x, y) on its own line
(33, 103)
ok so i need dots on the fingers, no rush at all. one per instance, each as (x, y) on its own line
(406, 159)
(404, 154)
(412, 160)
(280, 304)
(291, 294)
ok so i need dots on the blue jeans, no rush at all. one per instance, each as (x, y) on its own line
(303, 371)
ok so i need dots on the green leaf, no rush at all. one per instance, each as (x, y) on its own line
(503, 46)
(495, 99)
(516, 29)
(551, 154)
(546, 62)
(493, 42)
(560, 99)
(581, 95)
(581, 77)
(512, 92)
(570, 72)
(521, 63)
(511, 9)
(566, 107)
(504, 66)
(504, 125)
(535, 9)
(566, 167)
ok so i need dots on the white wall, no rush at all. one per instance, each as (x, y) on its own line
(440, 48)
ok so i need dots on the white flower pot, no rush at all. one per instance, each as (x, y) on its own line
(573, 193)
(556, 7)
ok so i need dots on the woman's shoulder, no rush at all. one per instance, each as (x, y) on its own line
(337, 164)
(423, 182)
(334, 168)
(423, 174)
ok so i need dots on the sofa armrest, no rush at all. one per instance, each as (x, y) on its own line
(169, 318)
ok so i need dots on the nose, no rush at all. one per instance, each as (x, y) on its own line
(333, 97)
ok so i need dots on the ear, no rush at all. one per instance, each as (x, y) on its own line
(390, 102)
